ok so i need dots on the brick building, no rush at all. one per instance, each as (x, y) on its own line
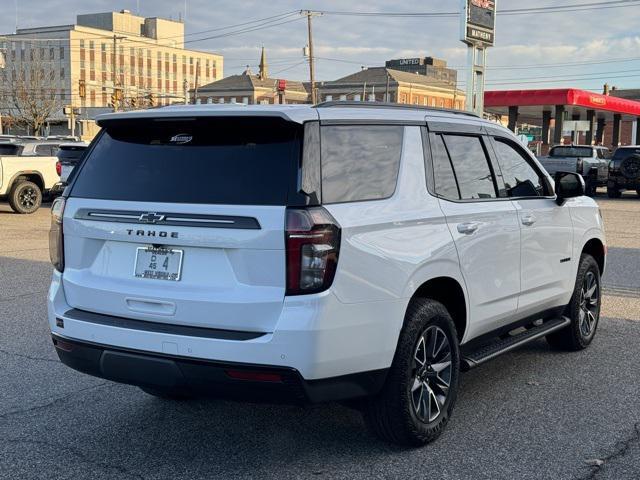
(250, 88)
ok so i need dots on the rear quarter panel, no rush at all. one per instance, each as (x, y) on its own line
(391, 247)
(12, 166)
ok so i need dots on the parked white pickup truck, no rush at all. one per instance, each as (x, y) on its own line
(25, 177)
(592, 162)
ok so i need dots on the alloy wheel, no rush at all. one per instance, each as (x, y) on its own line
(28, 198)
(432, 372)
(589, 304)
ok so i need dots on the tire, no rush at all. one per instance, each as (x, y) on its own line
(166, 394)
(25, 197)
(401, 413)
(591, 186)
(614, 192)
(630, 167)
(583, 309)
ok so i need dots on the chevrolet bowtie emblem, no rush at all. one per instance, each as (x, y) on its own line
(150, 217)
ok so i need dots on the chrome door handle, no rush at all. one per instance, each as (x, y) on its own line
(468, 228)
(528, 220)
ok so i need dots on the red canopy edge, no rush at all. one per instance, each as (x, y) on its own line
(561, 96)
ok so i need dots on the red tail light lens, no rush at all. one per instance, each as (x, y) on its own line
(56, 239)
(58, 168)
(313, 243)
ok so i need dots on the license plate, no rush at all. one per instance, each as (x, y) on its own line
(66, 171)
(158, 263)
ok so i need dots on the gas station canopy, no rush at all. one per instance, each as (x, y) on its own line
(535, 106)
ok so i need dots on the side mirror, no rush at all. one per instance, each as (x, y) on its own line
(568, 185)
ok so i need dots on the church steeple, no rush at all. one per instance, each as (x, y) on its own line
(264, 68)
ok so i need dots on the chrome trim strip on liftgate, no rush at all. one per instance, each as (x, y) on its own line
(169, 219)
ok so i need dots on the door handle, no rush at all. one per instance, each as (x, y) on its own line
(528, 219)
(468, 228)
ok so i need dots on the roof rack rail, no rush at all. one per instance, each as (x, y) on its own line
(353, 103)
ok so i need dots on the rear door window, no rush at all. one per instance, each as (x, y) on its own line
(360, 162)
(232, 160)
(471, 166)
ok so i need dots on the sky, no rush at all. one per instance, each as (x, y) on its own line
(583, 49)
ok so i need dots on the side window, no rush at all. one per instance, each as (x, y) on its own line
(471, 167)
(359, 162)
(43, 150)
(520, 178)
(444, 178)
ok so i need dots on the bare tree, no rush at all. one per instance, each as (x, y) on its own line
(29, 93)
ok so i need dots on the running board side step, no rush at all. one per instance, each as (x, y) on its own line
(486, 352)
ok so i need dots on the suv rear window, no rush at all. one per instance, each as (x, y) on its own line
(220, 160)
(70, 153)
(622, 153)
(571, 152)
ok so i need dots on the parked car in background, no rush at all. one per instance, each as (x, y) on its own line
(592, 162)
(69, 155)
(624, 171)
(27, 173)
(345, 251)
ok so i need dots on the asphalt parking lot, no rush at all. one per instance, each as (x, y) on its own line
(531, 414)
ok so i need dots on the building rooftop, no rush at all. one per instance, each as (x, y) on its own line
(378, 76)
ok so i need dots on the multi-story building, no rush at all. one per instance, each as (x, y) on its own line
(105, 58)
(387, 84)
(431, 67)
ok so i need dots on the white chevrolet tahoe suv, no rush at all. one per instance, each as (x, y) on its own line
(341, 252)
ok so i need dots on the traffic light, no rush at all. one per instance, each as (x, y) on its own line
(151, 99)
(82, 89)
(134, 102)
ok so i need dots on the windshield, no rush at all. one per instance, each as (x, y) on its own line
(571, 152)
(237, 161)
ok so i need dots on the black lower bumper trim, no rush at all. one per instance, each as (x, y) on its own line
(211, 378)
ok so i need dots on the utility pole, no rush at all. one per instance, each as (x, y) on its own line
(114, 64)
(185, 88)
(195, 88)
(312, 75)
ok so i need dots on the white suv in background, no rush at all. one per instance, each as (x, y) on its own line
(361, 252)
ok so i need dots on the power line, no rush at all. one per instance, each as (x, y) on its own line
(517, 11)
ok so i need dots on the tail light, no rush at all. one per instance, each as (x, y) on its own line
(56, 238)
(313, 244)
(58, 168)
(579, 166)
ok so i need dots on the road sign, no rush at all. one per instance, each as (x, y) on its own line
(576, 126)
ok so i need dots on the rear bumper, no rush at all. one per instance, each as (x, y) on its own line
(620, 181)
(205, 377)
(316, 335)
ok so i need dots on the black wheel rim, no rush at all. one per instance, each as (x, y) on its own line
(589, 304)
(28, 197)
(431, 374)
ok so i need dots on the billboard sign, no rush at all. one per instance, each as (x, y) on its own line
(478, 23)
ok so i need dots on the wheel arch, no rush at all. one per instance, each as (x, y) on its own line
(29, 175)
(450, 292)
(596, 248)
